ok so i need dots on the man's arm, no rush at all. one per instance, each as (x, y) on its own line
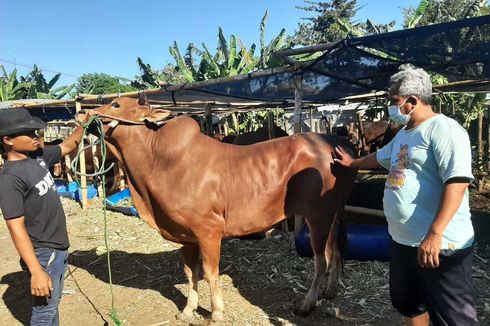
(365, 162)
(72, 142)
(452, 196)
(40, 281)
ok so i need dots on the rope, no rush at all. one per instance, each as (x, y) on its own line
(100, 174)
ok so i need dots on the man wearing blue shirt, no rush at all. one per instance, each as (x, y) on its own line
(427, 207)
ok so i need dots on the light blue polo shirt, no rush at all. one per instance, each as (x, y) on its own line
(420, 161)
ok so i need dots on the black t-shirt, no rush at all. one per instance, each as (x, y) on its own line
(27, 189)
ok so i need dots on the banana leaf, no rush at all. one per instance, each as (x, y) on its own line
(175, 52)
(418, 14)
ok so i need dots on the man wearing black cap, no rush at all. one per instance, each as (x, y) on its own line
(32, 208)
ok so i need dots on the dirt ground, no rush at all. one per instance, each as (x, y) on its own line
(262, 280)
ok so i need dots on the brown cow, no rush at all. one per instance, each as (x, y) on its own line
(197, 191)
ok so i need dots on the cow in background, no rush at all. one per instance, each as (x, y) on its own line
(60, 169)
(259, 135)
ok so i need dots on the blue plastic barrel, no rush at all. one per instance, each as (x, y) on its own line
(364, 242)
(302, 242)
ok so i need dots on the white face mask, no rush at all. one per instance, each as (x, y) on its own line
(396, 116)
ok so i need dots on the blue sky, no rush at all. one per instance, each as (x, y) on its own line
(77, 37)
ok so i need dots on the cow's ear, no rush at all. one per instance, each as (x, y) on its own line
(142, 100)
(157, 115)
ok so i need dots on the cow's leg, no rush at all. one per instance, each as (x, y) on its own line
(318, 241)
(334, 259)
(210, 253)
(190, 257)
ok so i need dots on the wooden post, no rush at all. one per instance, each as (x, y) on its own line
(312, 129)
(361, 131)
(235, 123)
(209, 120)
(329, 124)
(41, 137)
(298, 83)
(479, 146)
(270, 124)
(488, 138)
(83, 179)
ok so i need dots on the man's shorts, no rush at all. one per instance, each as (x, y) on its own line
(445, 292)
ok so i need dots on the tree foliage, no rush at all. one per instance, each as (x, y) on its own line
(100, 83)
(324, 26)
(464, 106)
(33, 85)
(430, 12)
(231, 58)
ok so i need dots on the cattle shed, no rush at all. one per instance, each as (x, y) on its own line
(355, 71)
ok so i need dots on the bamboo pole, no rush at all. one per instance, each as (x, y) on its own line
(306, 49)
(83, 179)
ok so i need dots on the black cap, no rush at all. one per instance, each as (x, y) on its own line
(13, 121)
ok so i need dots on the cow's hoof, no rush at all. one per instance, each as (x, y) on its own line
(217, 316)
(329, 293)
(187, 318)
(304, 311)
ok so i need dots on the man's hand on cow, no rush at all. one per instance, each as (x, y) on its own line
(343, 157)
(428, 252)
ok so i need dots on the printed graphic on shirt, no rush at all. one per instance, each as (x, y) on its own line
(46, 183)
(396, 177)
(41, 162)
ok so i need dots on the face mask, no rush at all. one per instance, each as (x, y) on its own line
(396, 116)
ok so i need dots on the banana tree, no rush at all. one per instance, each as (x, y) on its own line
(11, 88)
(40, 88)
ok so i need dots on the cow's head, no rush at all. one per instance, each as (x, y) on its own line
(131, 111)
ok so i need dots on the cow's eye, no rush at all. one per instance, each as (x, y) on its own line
(115, 105)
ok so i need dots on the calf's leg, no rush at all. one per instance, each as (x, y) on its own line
(190, 257)
(210, 253)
